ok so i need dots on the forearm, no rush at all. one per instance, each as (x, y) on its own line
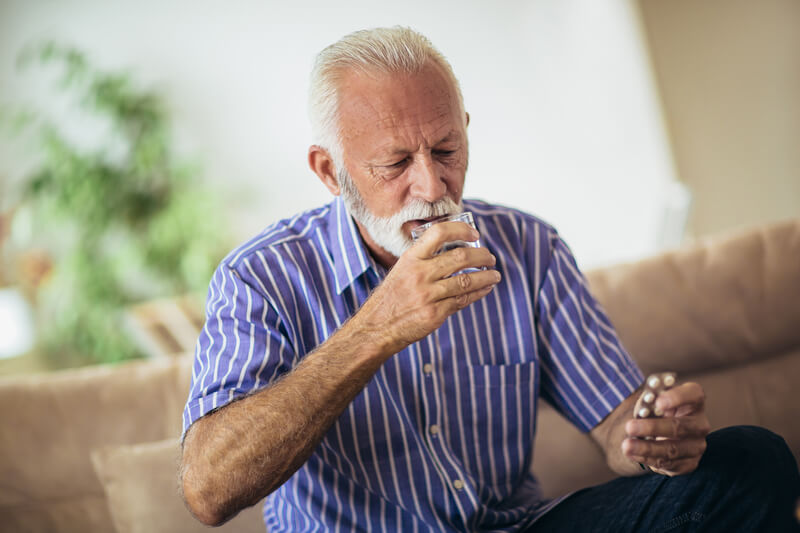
(239, 454)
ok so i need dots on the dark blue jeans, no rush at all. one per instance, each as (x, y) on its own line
(746, 481)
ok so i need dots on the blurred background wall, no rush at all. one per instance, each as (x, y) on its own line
(729, 75)
(566, 105)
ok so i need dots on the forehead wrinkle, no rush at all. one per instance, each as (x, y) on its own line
(395, 143)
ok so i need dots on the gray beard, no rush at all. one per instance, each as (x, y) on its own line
(387, 232)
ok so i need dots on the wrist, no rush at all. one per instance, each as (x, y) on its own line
(368, 347)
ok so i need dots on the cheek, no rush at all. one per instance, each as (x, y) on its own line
(454, 175)
(387, 199)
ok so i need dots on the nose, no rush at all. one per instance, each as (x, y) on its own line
(427, 180)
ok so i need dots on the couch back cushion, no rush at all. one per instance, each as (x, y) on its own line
(725, 301)
(52, 422)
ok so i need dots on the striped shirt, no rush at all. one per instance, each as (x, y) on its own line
(441, 438)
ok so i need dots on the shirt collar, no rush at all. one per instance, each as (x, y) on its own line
(350, 257)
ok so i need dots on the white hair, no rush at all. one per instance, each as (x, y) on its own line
(382, 50)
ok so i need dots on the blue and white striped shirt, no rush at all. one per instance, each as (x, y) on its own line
(441, 438)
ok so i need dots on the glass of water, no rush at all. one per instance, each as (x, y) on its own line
(465, 217)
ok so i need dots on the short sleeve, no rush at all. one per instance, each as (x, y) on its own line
(241, 348)
(586, 372)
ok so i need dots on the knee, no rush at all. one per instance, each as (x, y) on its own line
(754, 452)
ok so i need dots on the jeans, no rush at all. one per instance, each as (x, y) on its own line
(747, 480)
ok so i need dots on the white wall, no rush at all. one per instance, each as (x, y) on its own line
(564, 120)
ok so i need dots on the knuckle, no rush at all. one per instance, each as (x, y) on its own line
(417, 278)
(460, 255)
(663, 464)
(462, 300)
(464, 281)
(672, 450)
(429, 314)
(701, 394)
(676, 427)
(425, 294)
(435, 231)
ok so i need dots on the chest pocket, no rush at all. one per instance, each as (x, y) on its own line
(491, 419)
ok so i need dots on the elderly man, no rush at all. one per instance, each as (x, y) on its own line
(366, 382)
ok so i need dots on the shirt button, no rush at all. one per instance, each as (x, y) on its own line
(434, 429)
(458, 484)
(427, 368)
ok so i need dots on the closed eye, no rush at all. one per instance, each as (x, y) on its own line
(399, 163)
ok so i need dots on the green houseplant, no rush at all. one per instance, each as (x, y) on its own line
(123, 220)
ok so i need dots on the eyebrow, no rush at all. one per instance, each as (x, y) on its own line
(451, 136)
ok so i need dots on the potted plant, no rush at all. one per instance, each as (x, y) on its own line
(122, 219)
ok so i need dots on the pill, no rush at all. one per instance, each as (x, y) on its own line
(653, 382)
(644, 412)
(649, 397)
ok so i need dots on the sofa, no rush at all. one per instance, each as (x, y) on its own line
(96, 449)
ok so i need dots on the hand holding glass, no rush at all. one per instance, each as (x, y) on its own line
(466, 218)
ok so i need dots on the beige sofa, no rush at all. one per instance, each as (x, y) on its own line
(96, 449)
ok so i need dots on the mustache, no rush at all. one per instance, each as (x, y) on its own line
(420, 209)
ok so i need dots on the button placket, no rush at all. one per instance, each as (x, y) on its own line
(428, 352)
(461, 492)
(451, 474)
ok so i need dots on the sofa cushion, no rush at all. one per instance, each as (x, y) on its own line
(141, 486)
(57, 419)
(724, 301)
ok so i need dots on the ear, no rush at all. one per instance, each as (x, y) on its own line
(321, 163)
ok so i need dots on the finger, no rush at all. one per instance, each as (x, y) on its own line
(444, 265)
(450, 305)
(662, 463)
(661, 452)
(467, 282)
(437, 235)
(669, 468)
(685, 398)
(683, 427)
